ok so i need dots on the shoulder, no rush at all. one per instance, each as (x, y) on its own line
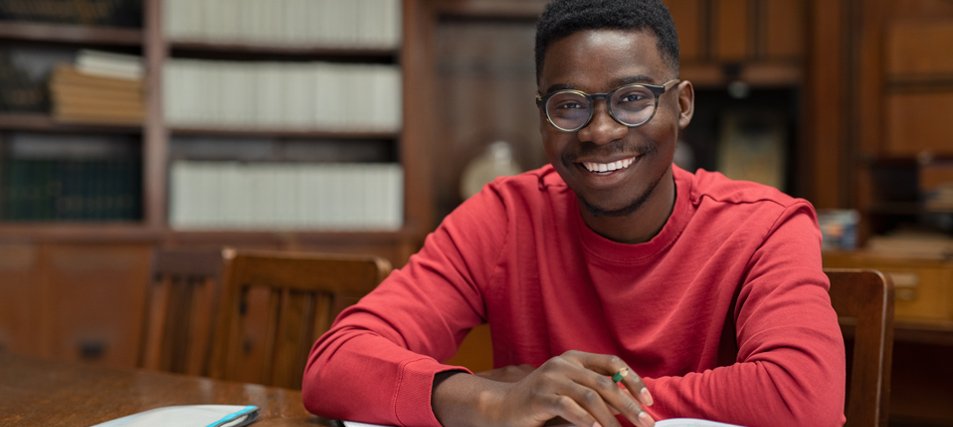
(714, 187)
(720, 200)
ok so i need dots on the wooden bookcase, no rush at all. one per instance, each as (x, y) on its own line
(156, 134)
(52, 266)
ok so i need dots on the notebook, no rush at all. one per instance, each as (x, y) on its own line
(189, 415)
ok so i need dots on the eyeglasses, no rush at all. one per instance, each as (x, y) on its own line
(631, 105)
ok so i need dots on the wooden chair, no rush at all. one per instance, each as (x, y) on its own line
(278, 304)
(863, 300)
(181, 308)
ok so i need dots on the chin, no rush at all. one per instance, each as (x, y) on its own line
(625, 209)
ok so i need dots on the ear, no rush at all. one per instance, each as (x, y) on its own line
(686, 103)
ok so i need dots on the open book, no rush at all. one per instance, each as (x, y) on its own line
(671, 422)
(189, 415)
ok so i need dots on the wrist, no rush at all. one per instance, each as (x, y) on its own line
(462, 399)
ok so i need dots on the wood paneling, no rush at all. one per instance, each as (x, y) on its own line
(95, 301)
(919, 122)
(911, 49)
(689, 17)
(19, 288)
(825, 148)
(783, 27)
(486, 83)
(732, 32)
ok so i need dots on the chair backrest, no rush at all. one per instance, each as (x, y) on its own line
(278, 303)
(863, 300)
(181, 309)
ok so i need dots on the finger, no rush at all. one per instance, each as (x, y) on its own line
(593, 402)
(617, 397)
(633, 382)
(568, 410)
(615, 366)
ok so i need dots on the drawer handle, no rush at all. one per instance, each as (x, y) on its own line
(905, 286)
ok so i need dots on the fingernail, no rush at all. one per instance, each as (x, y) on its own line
(596, 424)
(646, 419)
(646, 397)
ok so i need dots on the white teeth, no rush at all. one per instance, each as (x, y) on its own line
(608, 167)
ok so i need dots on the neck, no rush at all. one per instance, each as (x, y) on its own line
(642, 224)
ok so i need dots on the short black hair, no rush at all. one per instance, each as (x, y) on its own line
(564, 17)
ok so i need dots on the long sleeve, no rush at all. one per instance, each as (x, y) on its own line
(789, 369)
(378, 361)
(725, 311)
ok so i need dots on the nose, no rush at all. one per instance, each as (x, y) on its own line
(602, 128)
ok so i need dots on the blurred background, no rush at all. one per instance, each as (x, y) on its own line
(131, 126)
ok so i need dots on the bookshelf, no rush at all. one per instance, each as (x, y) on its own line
(73, 289)
(162, 42)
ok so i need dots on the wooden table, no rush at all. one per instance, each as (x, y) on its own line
(45, 393)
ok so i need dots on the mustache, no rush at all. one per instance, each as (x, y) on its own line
(611, 149)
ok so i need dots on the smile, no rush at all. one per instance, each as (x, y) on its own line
(608, 167)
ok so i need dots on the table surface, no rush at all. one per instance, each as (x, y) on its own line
(49, 393)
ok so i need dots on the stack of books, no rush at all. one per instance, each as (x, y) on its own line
(936, 186)
(101, 88)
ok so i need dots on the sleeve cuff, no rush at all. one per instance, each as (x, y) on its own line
(414, 388)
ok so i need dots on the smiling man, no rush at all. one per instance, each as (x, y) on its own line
(619, 289)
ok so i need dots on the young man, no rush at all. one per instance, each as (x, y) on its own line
(618, 287)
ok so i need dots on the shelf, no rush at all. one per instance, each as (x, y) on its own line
(756, 74)
(937, 332)
(281, 132)
(126, 231)
(37, 122)
(222, 50)
(70, 34)
(76, 231)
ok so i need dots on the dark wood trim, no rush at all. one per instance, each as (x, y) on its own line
(39, 122)
(826, 106)
(155, 149)
(106, 232)
(308, 52)
(753, 73)
(70, 34)
(280, 133)
(490, 9)
(417, 61)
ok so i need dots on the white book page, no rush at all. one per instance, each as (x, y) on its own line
(671, 422)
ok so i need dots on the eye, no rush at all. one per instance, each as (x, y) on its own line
(633, 97)
(569, 105)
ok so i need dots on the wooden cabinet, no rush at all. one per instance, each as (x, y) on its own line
(73, 289)
(923, 335)
(903, 97)
(923, 288)
(74, 301)
(759, 42)
(159, 141)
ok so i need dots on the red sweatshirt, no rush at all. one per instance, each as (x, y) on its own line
(725, 312)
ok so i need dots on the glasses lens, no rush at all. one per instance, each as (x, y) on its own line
(632, 105)
(568, 109)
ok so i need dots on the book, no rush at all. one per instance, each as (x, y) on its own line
(189, 415)
(671, 422)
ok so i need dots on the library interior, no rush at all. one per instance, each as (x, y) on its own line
(133, 131)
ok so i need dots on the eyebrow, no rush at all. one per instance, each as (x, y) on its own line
(615, 83)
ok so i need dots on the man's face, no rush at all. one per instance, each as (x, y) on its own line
(598, 61)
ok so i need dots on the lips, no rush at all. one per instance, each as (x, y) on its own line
(605, 168)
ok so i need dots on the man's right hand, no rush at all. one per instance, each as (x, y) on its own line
(575, 386)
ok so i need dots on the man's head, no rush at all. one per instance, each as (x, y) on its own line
(564, 17)
(611, 107)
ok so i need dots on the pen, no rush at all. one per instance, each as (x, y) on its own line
(618, 376)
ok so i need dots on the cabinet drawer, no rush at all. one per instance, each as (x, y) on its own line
(921, 293)
(923, 290)
(919, 121)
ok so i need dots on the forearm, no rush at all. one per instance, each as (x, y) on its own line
(786, 390)
(463, 400)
